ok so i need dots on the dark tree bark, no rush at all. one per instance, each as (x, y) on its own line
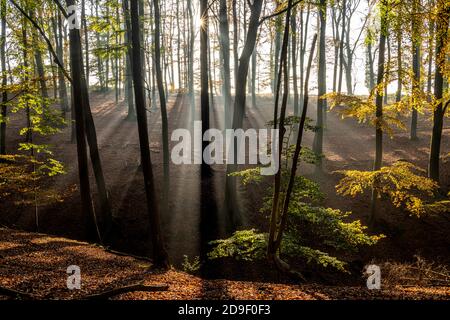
(379, 109)
(244, 62)
(398, 97)
(224, 38)
(4, 77)
(86, 40)
(162, 101)
(294, 62)
(191, 59)
(61, 79)
(341, 46)
(76, 67)
(204, 96)
(416, 87)
(442, 25)
(160, 255)
(235, 42)
(128, 57)
(322, 88)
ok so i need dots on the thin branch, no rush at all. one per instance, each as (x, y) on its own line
(15, 293)
(61, 8)
(263, 19)
(121, 290)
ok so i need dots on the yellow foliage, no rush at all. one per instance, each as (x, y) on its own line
(20, 179)
(402, 183)
(364, 110)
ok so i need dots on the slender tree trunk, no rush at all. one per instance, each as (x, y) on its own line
(399, 66)
(86, 41)
(204, 96)
(294, 62)
(430, 59)
(322, 87)
(442, 25)
(128, 57)
(160, 255)
(61, 79)
(416, 85)
(253, 84)
(4, 78)
(235, 43)
(162, 102)
(76, 67)
(224, 38)
(379, 111)
(341, 46)
(239, 106)
(191, 59)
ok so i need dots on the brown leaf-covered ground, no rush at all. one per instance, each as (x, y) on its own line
(36, 264)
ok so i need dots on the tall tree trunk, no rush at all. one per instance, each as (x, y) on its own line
(379, 110)
(162, 102)
(442, 25)
(253, 84)
(224, 38)
(244, 62)
(416, 85)
(191, 59)
(4, 77)
(294, 62)
(322, 85)
(398, 97)
(61, 79)
(160, 255)
(239, 106)
(128, 56)
(86, 41)
(235, 43)
(76, 67)
(341, 46)
(204, 96)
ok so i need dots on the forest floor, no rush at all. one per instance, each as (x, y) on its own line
(187, 226)
(34, 265)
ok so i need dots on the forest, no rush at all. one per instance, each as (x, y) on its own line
(224, 150)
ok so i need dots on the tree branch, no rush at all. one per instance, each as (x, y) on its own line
(126, 289)
(14, 293)
(263, 19)
(47, 40)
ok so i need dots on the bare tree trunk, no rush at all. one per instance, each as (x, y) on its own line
(204, 96)
(162, 101)
(4, 77)
(224, 38)
(191, 59)
(239, 105)
(442, 25)
(294, 62)
(160, 255)
(416, 85)
(399, 66)
(86, 40)
(128, 56)
(379, 110)
(77, 72)
(322, 88)
(341, 46)
(61, 80)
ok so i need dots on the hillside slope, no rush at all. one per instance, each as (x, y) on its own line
(35, 266)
